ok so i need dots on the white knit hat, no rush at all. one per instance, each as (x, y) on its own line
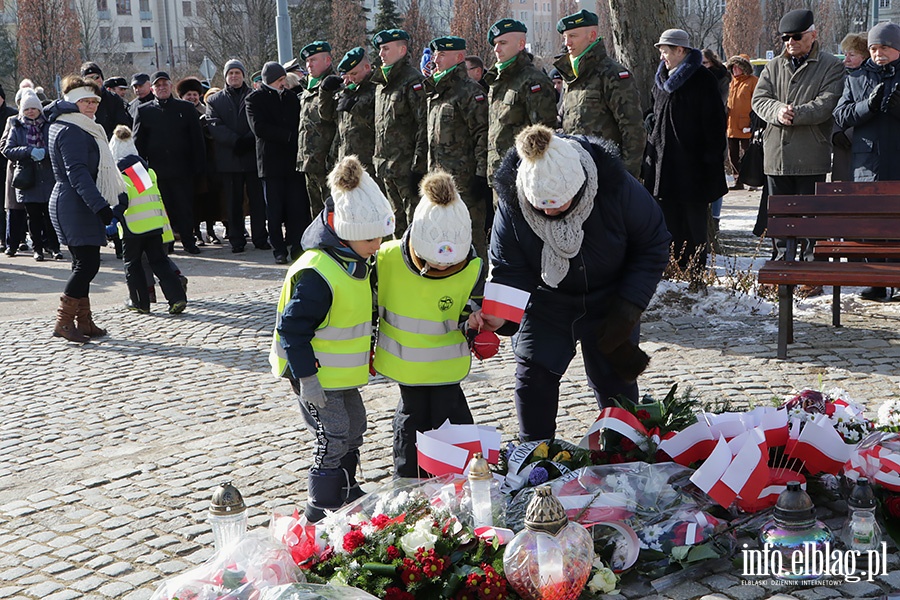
(121, 144)
(361, 212)
(28, 100)
(550, 173)
(441, 230)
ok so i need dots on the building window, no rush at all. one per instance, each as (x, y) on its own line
(123, 7)
(884, 4)
(105, 34)
(186, 9)
(145, 6)
(188, 33)
(102, 5)
(126, 35)
(146, 33)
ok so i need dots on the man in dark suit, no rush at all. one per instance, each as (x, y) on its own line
(235, 155)
(168, 136)
(111, 111)
(274, 116)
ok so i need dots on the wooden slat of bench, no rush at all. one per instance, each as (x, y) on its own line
(875, 228)
(783, 272)
(858, 187)
(825, 249)
(848, 205)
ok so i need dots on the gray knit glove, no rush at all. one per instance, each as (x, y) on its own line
(311, 391)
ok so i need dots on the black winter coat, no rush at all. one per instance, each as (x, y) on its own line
(235, 145)
(274, 119)
(624, 252)
(168, 136)
(685, 156)
(876, 135)
(111, 112)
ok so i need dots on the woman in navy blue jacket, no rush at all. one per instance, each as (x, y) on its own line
(27, 142)
(589, 244)
(88, 184)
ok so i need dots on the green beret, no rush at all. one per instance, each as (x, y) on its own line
(448, 42)
(389, 35)
(584, 18)
(505, 26)
(351, 59)
(256, 76)
(314, 48)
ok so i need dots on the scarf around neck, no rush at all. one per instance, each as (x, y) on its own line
(563, 235)
(109, 181)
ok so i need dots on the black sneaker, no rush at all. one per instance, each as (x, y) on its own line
(135, 308)
(23, 247)
(57, 255)
(38, 256)
(11, 251)
(281, 259)
(264, 246)
(237, 249)
(176, 308)
(192, 250)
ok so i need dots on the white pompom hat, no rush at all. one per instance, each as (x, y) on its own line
(441, 230)
(550, 173)
(361, 212)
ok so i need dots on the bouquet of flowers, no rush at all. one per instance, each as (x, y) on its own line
(889, 416)
(534, 463)
(412, 547)
(845, 415)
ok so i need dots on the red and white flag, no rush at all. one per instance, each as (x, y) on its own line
(139, 177)
(711, 472)
(504, 301)
(438, 457)
(820, 447)
(689, 445)
(748, 473)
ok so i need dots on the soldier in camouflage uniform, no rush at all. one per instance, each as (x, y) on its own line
(317, 122)
(457, 130)
(520, 93)
(600, 97)
(401, 150)
(356, 109)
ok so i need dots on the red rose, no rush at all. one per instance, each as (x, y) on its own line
(393, 552)
(395, 593)
(642, 415)
(892, 504)
(353, 540)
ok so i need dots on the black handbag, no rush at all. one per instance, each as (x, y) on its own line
(24, 175)
(752, 161)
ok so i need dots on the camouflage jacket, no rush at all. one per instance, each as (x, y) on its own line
(603, 101)
(356, 122)
(400, 140)
(520, 95)
(317, 128)
(457, 126)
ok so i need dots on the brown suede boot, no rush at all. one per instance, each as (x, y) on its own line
(65, 321)
(84, 322)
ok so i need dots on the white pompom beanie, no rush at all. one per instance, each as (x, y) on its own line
(361, 212)
(441, 230)
(549, 175)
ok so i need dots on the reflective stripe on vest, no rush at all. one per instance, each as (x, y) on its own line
(146, 211)
(419, 341)
(343, 340)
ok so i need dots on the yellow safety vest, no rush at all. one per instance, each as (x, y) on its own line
(342, 342)
(146, 211)
(419, 341)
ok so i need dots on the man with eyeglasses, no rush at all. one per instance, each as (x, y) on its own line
(111, 111)
(796, 94)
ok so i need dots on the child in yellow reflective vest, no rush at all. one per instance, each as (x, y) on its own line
(144, 228)
(323, 329)
(428, 283)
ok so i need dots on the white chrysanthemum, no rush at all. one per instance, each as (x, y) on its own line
(889, 413)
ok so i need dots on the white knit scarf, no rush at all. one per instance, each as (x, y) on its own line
(562, 236)
(109, 180)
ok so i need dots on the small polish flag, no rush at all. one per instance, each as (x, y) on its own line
(504, 301)
(691, 444)
(139, 177)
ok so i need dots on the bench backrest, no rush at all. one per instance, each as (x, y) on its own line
(848, 216)
(863, 188)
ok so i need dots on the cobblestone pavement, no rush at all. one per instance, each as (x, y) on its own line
(109, 452)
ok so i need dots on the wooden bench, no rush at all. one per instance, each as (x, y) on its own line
(849, 220)
(835, 249)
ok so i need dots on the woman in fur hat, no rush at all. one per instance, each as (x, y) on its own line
(579, 234)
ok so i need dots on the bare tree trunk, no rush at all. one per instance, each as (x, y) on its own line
(741, 26)
(636, 27)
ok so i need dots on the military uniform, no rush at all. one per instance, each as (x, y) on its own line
(457, 139)
(356, 123)
(317, 130)
(601, 100)
(520, 95)
(400, 139)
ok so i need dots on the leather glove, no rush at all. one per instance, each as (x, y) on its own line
(840, 140)
(331, 84)
(245, 144)
(893, 104)
(347, 102)
(311, 391)
(38, 154)
(628, 361)
(480, 188)
(106, 215)
(615, 329)
(876, 97)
